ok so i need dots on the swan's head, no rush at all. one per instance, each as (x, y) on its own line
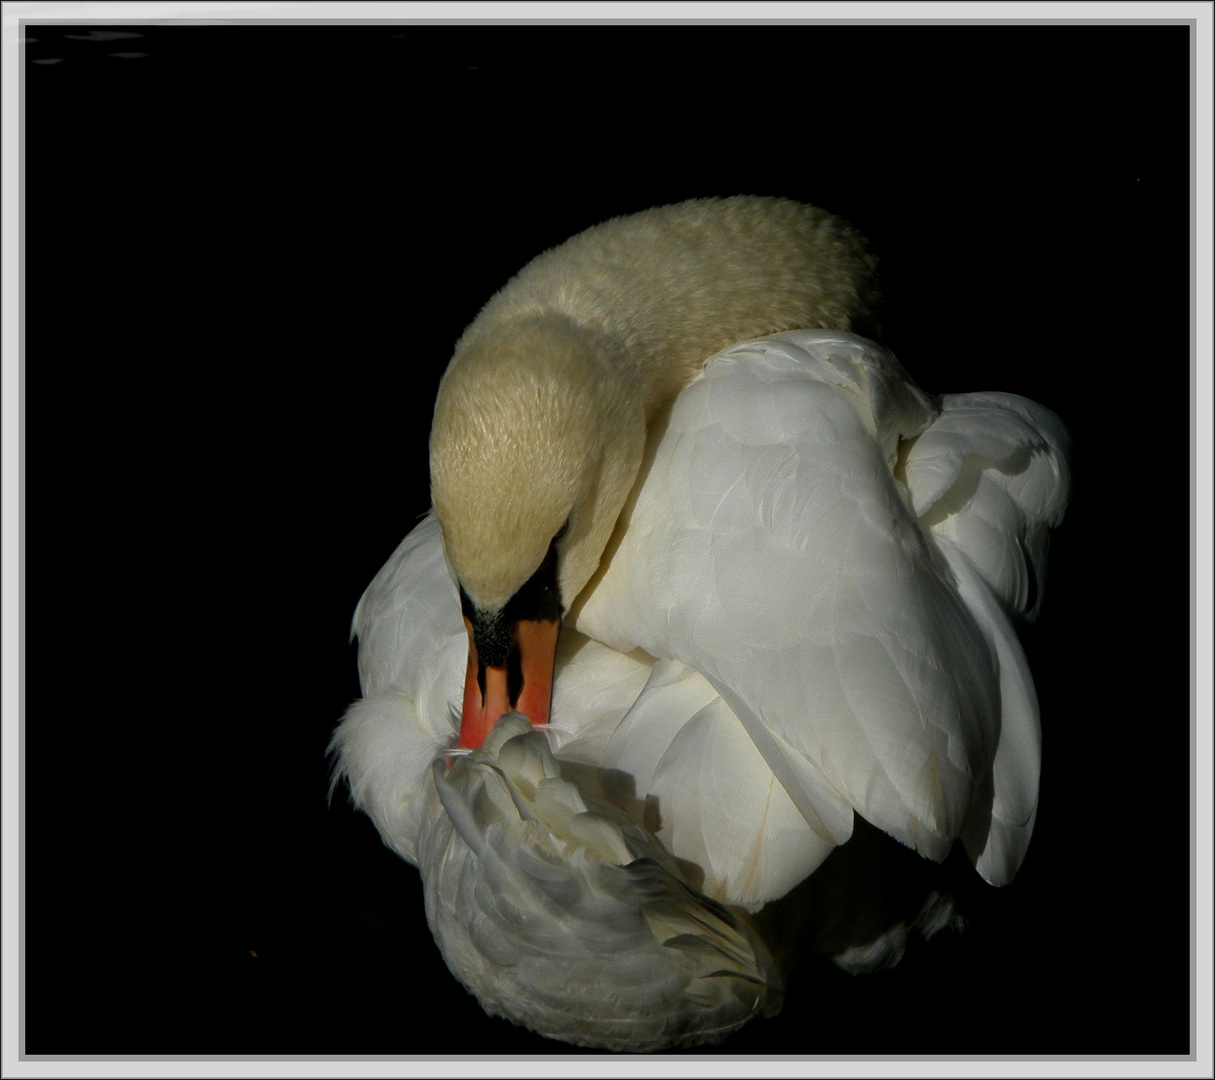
(536, 443)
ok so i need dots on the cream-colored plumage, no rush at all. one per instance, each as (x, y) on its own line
(806, 611)
(564, 370)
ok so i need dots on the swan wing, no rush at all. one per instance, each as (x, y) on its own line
(772, 549)
(989, 480)
(718, 804)
(998, 833)
(562, 913)
(991, 475)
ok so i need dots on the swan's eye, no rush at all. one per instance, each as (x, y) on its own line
(467, 607)
(539, 597)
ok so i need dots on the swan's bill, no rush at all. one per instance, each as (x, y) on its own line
(523, 683)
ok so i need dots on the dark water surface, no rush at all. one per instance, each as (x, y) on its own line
(248, 252)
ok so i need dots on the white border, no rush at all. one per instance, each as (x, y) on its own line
(597, 10)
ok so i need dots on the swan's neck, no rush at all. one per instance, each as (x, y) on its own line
(539, 422)
(566, 351)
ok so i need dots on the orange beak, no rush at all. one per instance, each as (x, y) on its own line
(490, 691)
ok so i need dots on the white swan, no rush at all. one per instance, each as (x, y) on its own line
(804, 609)
(545, 411)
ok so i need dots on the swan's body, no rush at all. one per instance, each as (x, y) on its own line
(562, 376)
(804, 611)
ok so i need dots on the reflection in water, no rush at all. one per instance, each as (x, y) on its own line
(103, 35)
(53, 43)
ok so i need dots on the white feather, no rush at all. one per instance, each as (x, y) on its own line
(573, 919)
(991, 474)
(772, 549)
(806, 615)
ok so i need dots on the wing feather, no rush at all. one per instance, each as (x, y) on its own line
(773, 550)
(991, 475)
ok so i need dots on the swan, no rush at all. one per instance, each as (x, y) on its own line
(675, 625)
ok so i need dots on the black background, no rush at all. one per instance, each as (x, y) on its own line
(248, 253)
